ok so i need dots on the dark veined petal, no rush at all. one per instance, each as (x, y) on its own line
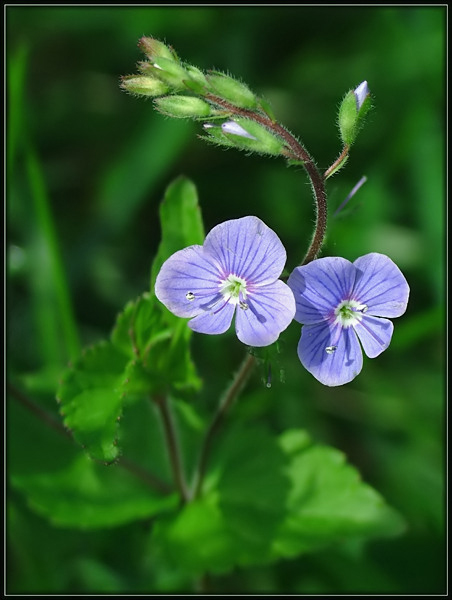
(380, 285)
(268, 311)
(214, 321)
(188, 281)
(320, 286)
(247, 248)
(331, 353)
(374, 334)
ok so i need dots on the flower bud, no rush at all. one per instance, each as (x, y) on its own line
(361, 93)
(170, 72)
(183, 107)
(352, 111)
(235, 129)
(155, 49)
(143, 86)
(245, 134)
(232, 90)
(197, 81)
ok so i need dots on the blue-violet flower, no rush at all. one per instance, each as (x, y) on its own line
(339, 302)
(235, 271)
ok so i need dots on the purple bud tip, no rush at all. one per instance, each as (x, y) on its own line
(235, 129)
(361, 93)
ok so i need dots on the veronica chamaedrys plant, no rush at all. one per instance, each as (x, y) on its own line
(339, 303)
(235, 271)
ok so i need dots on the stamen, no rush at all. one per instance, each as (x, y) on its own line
(330, 349)
(243, 305)
(190, 296)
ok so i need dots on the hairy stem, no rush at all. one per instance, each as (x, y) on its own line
(340, 159)
(233, 391)
(298, 153)
(172, 444)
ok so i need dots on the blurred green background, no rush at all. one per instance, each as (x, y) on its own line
(87, 166)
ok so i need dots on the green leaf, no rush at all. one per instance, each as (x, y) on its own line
(63, 485)
(181, 222)
(267, 498)
(328, 501)
(140, 326)
(157, 344)
(89, 496)
(235, 521)
(91, 399)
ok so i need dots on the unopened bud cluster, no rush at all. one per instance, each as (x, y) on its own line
(183, 91)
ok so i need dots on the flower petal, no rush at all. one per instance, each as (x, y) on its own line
(247, 248)
(320, 286)
(341, 364)
(380, 285)
(214, 321)
(374, 334)
(189, 272)
(271, 309)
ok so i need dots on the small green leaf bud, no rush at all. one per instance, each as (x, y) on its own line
(183, 107)
(352, 111)
(143, 86)
(232, 90)
(155, 49)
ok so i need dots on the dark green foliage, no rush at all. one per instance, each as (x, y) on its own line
(87, 167)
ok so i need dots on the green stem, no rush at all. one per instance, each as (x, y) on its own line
(161, 402)
(298, 153)
(228, 399)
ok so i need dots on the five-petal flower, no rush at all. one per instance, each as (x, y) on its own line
(235, 271)
(339, 302)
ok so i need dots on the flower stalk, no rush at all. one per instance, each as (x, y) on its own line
(296, 152)
(238, 382)
(161, 401)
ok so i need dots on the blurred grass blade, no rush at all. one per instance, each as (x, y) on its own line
(128, 182)
(53, 309)
(50, 280)
(17, 66)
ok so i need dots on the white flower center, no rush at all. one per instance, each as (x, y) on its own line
(233, 290)
(349, 313)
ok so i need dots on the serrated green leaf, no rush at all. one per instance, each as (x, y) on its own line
(181, 222)
(91, 399)
(328, 501)
(139, 326)
(157, 344)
